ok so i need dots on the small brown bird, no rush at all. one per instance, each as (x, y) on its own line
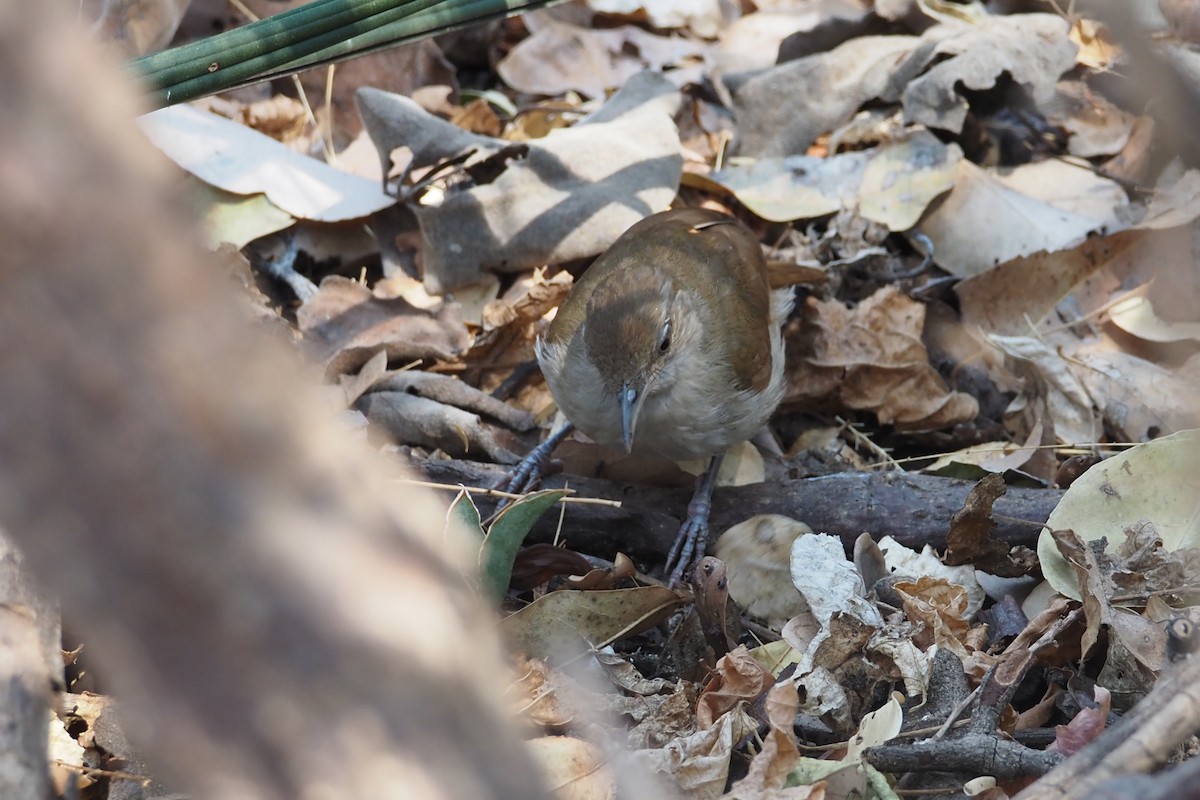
(670, 345)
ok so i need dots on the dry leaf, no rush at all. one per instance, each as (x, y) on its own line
(699, 763)
(892, 184)
(559, 57)
(566, 196)
(984, 223)
(757, 555)
(1153, 482)
(559, 624)
(737, 679)
(573, 769)
(243, 161)
(778, 757)
(872, 358)
(345, 325)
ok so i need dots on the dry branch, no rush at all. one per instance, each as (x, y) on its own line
(913, 509)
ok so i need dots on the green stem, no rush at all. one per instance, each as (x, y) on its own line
(321, 32)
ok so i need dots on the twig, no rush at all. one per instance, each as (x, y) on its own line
(592, 501)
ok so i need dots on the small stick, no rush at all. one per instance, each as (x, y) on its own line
(594, 501)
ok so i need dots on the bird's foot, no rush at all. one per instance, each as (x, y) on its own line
(692, 540)
(532, 468)
(690, 543)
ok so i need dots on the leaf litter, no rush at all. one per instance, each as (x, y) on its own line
(969, 173)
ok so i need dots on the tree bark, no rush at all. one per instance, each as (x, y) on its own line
(274, 627)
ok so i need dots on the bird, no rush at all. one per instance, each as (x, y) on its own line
(670, 345)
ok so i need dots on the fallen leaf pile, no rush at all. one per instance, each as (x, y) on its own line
(995, 249)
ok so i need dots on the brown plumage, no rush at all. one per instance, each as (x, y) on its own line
(679, 317)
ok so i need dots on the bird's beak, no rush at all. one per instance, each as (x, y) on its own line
(631, 403)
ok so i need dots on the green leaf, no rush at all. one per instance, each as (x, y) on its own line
(465, 515)
(504, 538)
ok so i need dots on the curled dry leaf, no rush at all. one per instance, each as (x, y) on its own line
(535, 695)
(510, 325)
(830, 87)
(737, 679)
(1033, 49)
(970, 541)
(939, 607)
(699, 763)
(872, 358)
(1086, 726)
(993, 457)
(773, 764)
(1095, 126)
(1129, 630)
(345, 325)
(539, 562)
(905, 562)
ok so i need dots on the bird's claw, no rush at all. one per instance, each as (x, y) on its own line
(531, 469)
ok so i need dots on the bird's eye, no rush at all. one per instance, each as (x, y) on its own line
(664, 339)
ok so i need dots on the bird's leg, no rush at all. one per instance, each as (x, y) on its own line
(693, 536)
(522, 477)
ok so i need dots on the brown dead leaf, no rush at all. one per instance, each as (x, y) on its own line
(510, 324)
(345, 325)
(1137, 397)
(871, 357)
(994, 457)
(699, 763)
(737, 679)
(1086, 726)
(535, 695)
(779, 754)
(830, 87)
(1094, 569)
(1034, 49)
(539, 562)
(662, 719)
(279, 116)
(970, 541)
(891, 184)
(939, 606)
(477, 117)
(1095, 126)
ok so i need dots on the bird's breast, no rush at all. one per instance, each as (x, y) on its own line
(700, 409)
